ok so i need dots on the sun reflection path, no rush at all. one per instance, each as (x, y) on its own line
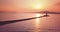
(37, 22)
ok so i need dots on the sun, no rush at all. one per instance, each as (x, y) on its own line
(37, 6)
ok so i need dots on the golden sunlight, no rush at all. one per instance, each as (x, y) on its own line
(37, 22)
(38, 15)
(37, 6)
(37, 19)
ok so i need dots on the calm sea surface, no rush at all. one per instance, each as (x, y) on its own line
(45, 24)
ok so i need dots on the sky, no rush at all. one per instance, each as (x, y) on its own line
(29, 5)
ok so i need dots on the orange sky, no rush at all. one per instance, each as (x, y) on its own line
(28, 5)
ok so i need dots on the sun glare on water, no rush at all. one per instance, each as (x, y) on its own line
(37, 19)
(38, 15)
(37, 22)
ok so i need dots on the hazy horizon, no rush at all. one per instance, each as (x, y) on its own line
(29, 5)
